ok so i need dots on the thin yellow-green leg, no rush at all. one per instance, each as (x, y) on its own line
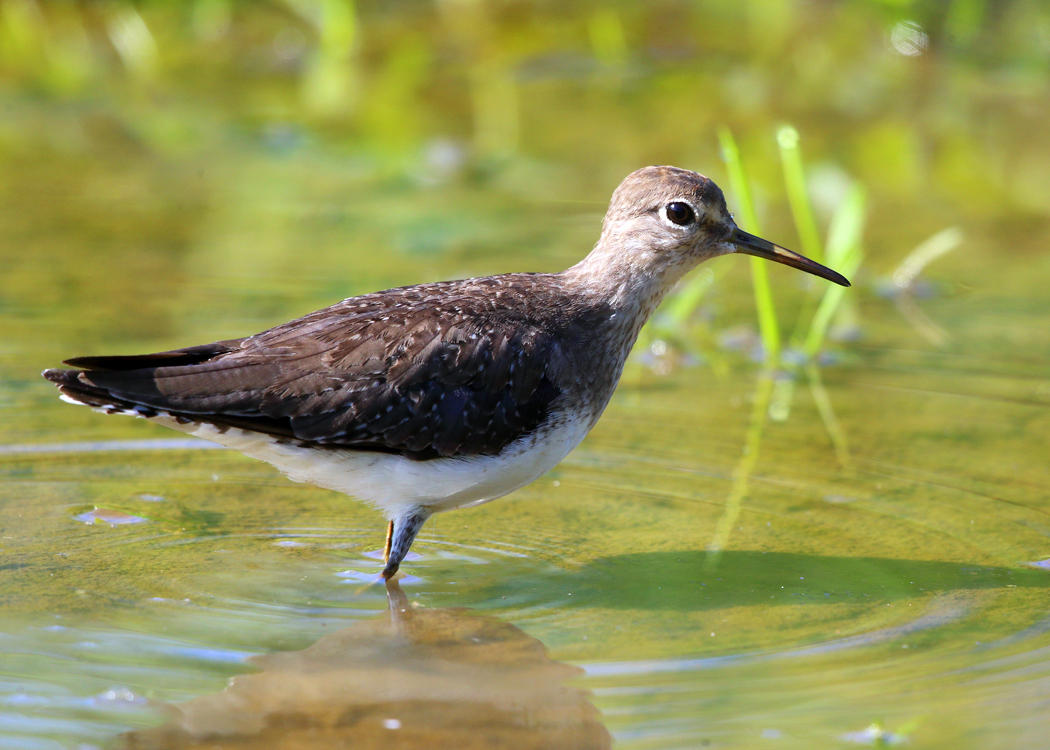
(389, 537)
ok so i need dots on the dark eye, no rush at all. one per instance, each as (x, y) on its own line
(680, 213)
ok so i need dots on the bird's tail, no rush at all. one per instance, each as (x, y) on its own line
(128, 383)
(75, 389)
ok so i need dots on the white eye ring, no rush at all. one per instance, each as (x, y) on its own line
(680, 213)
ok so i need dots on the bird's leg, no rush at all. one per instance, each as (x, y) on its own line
(406, 526)
(386, 547)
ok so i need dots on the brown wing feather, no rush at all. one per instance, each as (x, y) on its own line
(428, 371)
(189, 356)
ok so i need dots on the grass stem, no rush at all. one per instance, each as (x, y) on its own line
(798, 197)
(768, 326)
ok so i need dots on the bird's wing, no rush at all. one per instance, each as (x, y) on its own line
(389, 371)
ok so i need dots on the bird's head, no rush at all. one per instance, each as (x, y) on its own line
(669, 219)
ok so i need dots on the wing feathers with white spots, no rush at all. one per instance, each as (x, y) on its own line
(417, 371)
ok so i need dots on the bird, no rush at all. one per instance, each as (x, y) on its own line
(427, 398)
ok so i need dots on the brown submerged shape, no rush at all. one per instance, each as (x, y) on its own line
(422, 678)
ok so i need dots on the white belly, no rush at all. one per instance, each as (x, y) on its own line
(394, 483)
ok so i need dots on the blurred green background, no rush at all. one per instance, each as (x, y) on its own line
(175, 173)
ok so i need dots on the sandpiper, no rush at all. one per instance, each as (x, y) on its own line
(427, 398)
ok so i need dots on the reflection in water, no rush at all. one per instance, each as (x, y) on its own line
(424, 678)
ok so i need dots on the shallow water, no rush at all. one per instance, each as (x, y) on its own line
(889, 586)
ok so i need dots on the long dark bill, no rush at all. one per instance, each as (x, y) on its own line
(760, 248)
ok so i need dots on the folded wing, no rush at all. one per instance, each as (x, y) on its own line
(392, 371)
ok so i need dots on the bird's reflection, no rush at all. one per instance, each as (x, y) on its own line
(421, 677)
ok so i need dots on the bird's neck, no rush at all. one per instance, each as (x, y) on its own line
(625, 275)
(613, 291)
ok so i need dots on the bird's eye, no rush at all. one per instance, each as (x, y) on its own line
(680, 213)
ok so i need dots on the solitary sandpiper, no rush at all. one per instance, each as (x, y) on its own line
(438, 396)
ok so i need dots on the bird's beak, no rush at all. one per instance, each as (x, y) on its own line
(742, 242)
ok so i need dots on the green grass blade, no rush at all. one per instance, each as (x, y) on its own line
(847, 225)
(768, 325)
(829, 303)
(844, 245)
(827, 415)
(843, 253)
(925, 253)
(798, 197)
(741, 191)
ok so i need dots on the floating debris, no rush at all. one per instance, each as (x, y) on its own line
(118, 697)
(874, 734)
